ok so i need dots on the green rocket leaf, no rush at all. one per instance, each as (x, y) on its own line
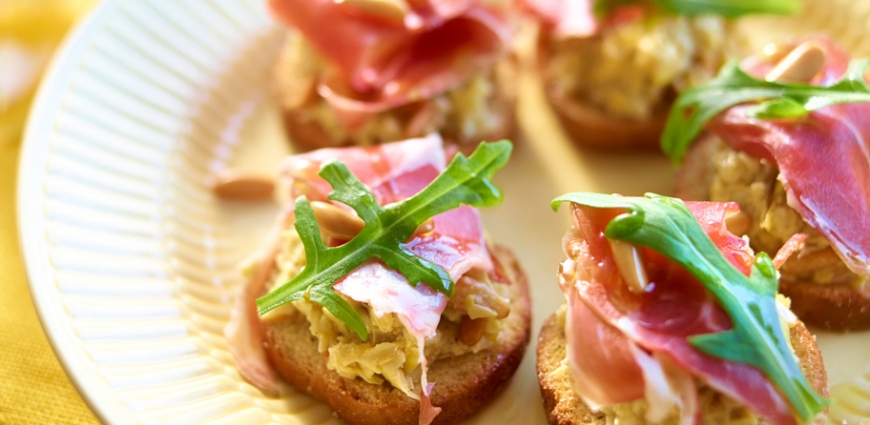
(726, 8)
(733, 86)
(666, 226)
(464, 181)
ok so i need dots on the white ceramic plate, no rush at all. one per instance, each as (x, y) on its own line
(131, 261)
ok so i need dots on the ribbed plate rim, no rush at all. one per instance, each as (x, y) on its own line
(31, 238)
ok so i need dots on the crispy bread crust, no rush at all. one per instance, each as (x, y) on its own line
(839, 307)
(308, 135)
(563, 407)
(463, 384)
(588, 126)
(836, 307)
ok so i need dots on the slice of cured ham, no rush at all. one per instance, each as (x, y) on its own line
(658, 320)
(381, 64)
(576, 18)
(244, 333)
(823, 160)
(565, 17)
(392, 172)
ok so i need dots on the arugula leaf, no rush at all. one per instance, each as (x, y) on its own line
(464, 181)
(668, 227)
(733, 86)
(730, 8)
(726, 8)
(603, 7)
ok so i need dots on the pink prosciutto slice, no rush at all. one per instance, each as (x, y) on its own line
(576, 18)
(673, 307)
(243, 331)
(565, 17)
(823, 160)
(381, 64)
(592, 366)
(428, 412)
(392, 172)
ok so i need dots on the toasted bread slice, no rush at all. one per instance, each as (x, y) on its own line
(306, 134)
(564, 407)
(586, 125)
(833, 306)
(463, 384)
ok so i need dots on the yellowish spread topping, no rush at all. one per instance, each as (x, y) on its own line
(754, 184)
(634, 70)
(717, 409)
(391, 352)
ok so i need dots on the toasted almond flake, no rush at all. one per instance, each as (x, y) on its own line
(471, 330)
(337, 221)
(738, 223)
(801, 65)
(628, 261)
(240, 186)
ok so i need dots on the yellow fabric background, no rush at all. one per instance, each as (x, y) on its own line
(33, 387)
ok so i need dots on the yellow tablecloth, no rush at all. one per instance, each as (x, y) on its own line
(33, 387)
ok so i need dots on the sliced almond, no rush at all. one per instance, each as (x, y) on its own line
(393, 11)
(773, 51)
(738, 223)
(238, 186)
(423, 229)
(337, 221)
(628, 260)
(427, 227)
(502, 309)
(471, 330)
(800, 66)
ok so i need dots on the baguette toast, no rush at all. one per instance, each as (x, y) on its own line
(610, 91)
(464, 384)
(588, 126)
